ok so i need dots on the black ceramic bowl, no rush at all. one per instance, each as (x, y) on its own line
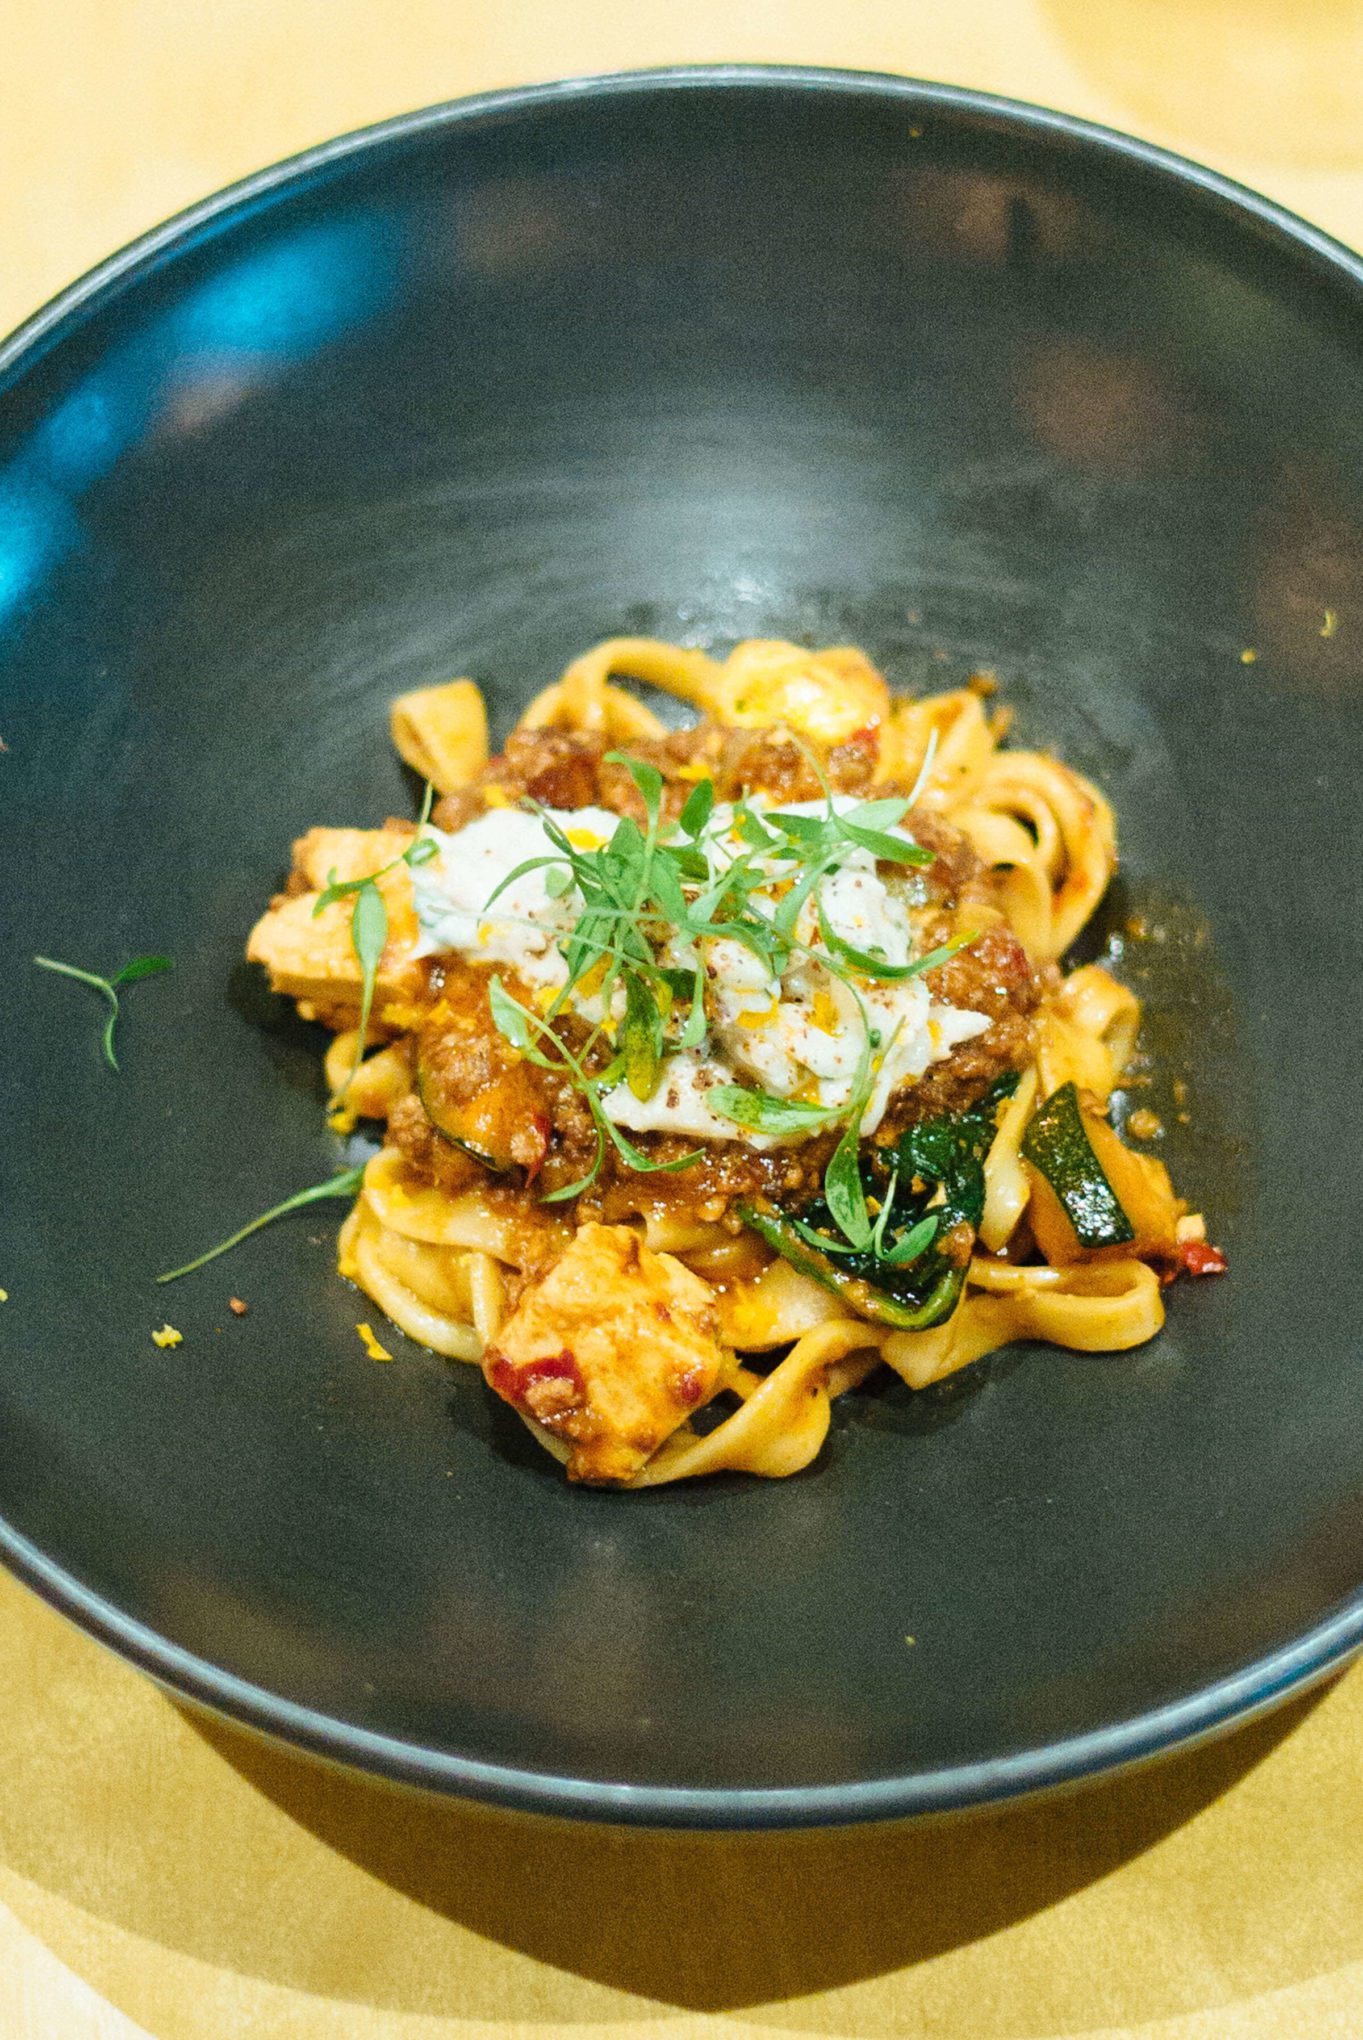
(707, 354)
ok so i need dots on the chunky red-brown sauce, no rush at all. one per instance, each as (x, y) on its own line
(535, 1129)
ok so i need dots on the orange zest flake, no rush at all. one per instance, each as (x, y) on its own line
(402, 1015)
(591, 980)
(824, 1015)
(693, 772)
(752, 1021)
(584, 839)
(371, 1344)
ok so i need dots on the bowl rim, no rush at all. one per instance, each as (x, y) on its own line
(1237, 1697)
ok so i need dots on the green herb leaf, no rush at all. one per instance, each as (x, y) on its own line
(883, 1216)
(346, 1184)
(913, 1245)
(347, 888)
(368, 939)
(519, 871)
(842, 1188)
(583, 1183)
(647, 778)
(822, 1240)
(890, 849)
(419, 851)
(694, 1030)
(689, 863)
(335, 890)
(85, 977)
(640, 1161)
(139, 967)
(945, 953)
(621, 864)
(641, 1038)
(871, 965)
(696, 813)
(765, 1114)
(753, 831)
(800, 828)
(877, 814)
(864, 960)
(509, 1017)
(788, 913)
(665, 886)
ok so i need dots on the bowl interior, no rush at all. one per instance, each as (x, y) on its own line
(833, 361)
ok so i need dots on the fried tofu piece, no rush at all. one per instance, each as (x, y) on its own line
(610, 1352)
(308, 955)
(322, 855)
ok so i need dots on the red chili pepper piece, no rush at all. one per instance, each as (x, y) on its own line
(1200, 1259)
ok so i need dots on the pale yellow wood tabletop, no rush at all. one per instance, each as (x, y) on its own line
(162, 1876)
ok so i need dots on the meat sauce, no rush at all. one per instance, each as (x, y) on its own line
(470, 1091)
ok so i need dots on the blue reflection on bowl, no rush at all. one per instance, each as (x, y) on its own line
(244, 325)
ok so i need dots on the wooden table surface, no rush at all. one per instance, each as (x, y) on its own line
(159, 1876)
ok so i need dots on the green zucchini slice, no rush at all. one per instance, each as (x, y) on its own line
(945, 1158)
(887, 1299)
(448, 1122)
(1059, 1148)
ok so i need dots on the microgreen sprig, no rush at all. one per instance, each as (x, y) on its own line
(872, 965)
(911, 1247)
(369, 922)
(673, 886)
(139, 967)
(346, 1184)
(762, 1113)
(539, 1044)
(842, 1185)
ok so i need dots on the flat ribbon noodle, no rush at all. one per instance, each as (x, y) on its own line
(441, 732)
(436, 1262)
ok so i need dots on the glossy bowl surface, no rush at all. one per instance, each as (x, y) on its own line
(711, 355)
